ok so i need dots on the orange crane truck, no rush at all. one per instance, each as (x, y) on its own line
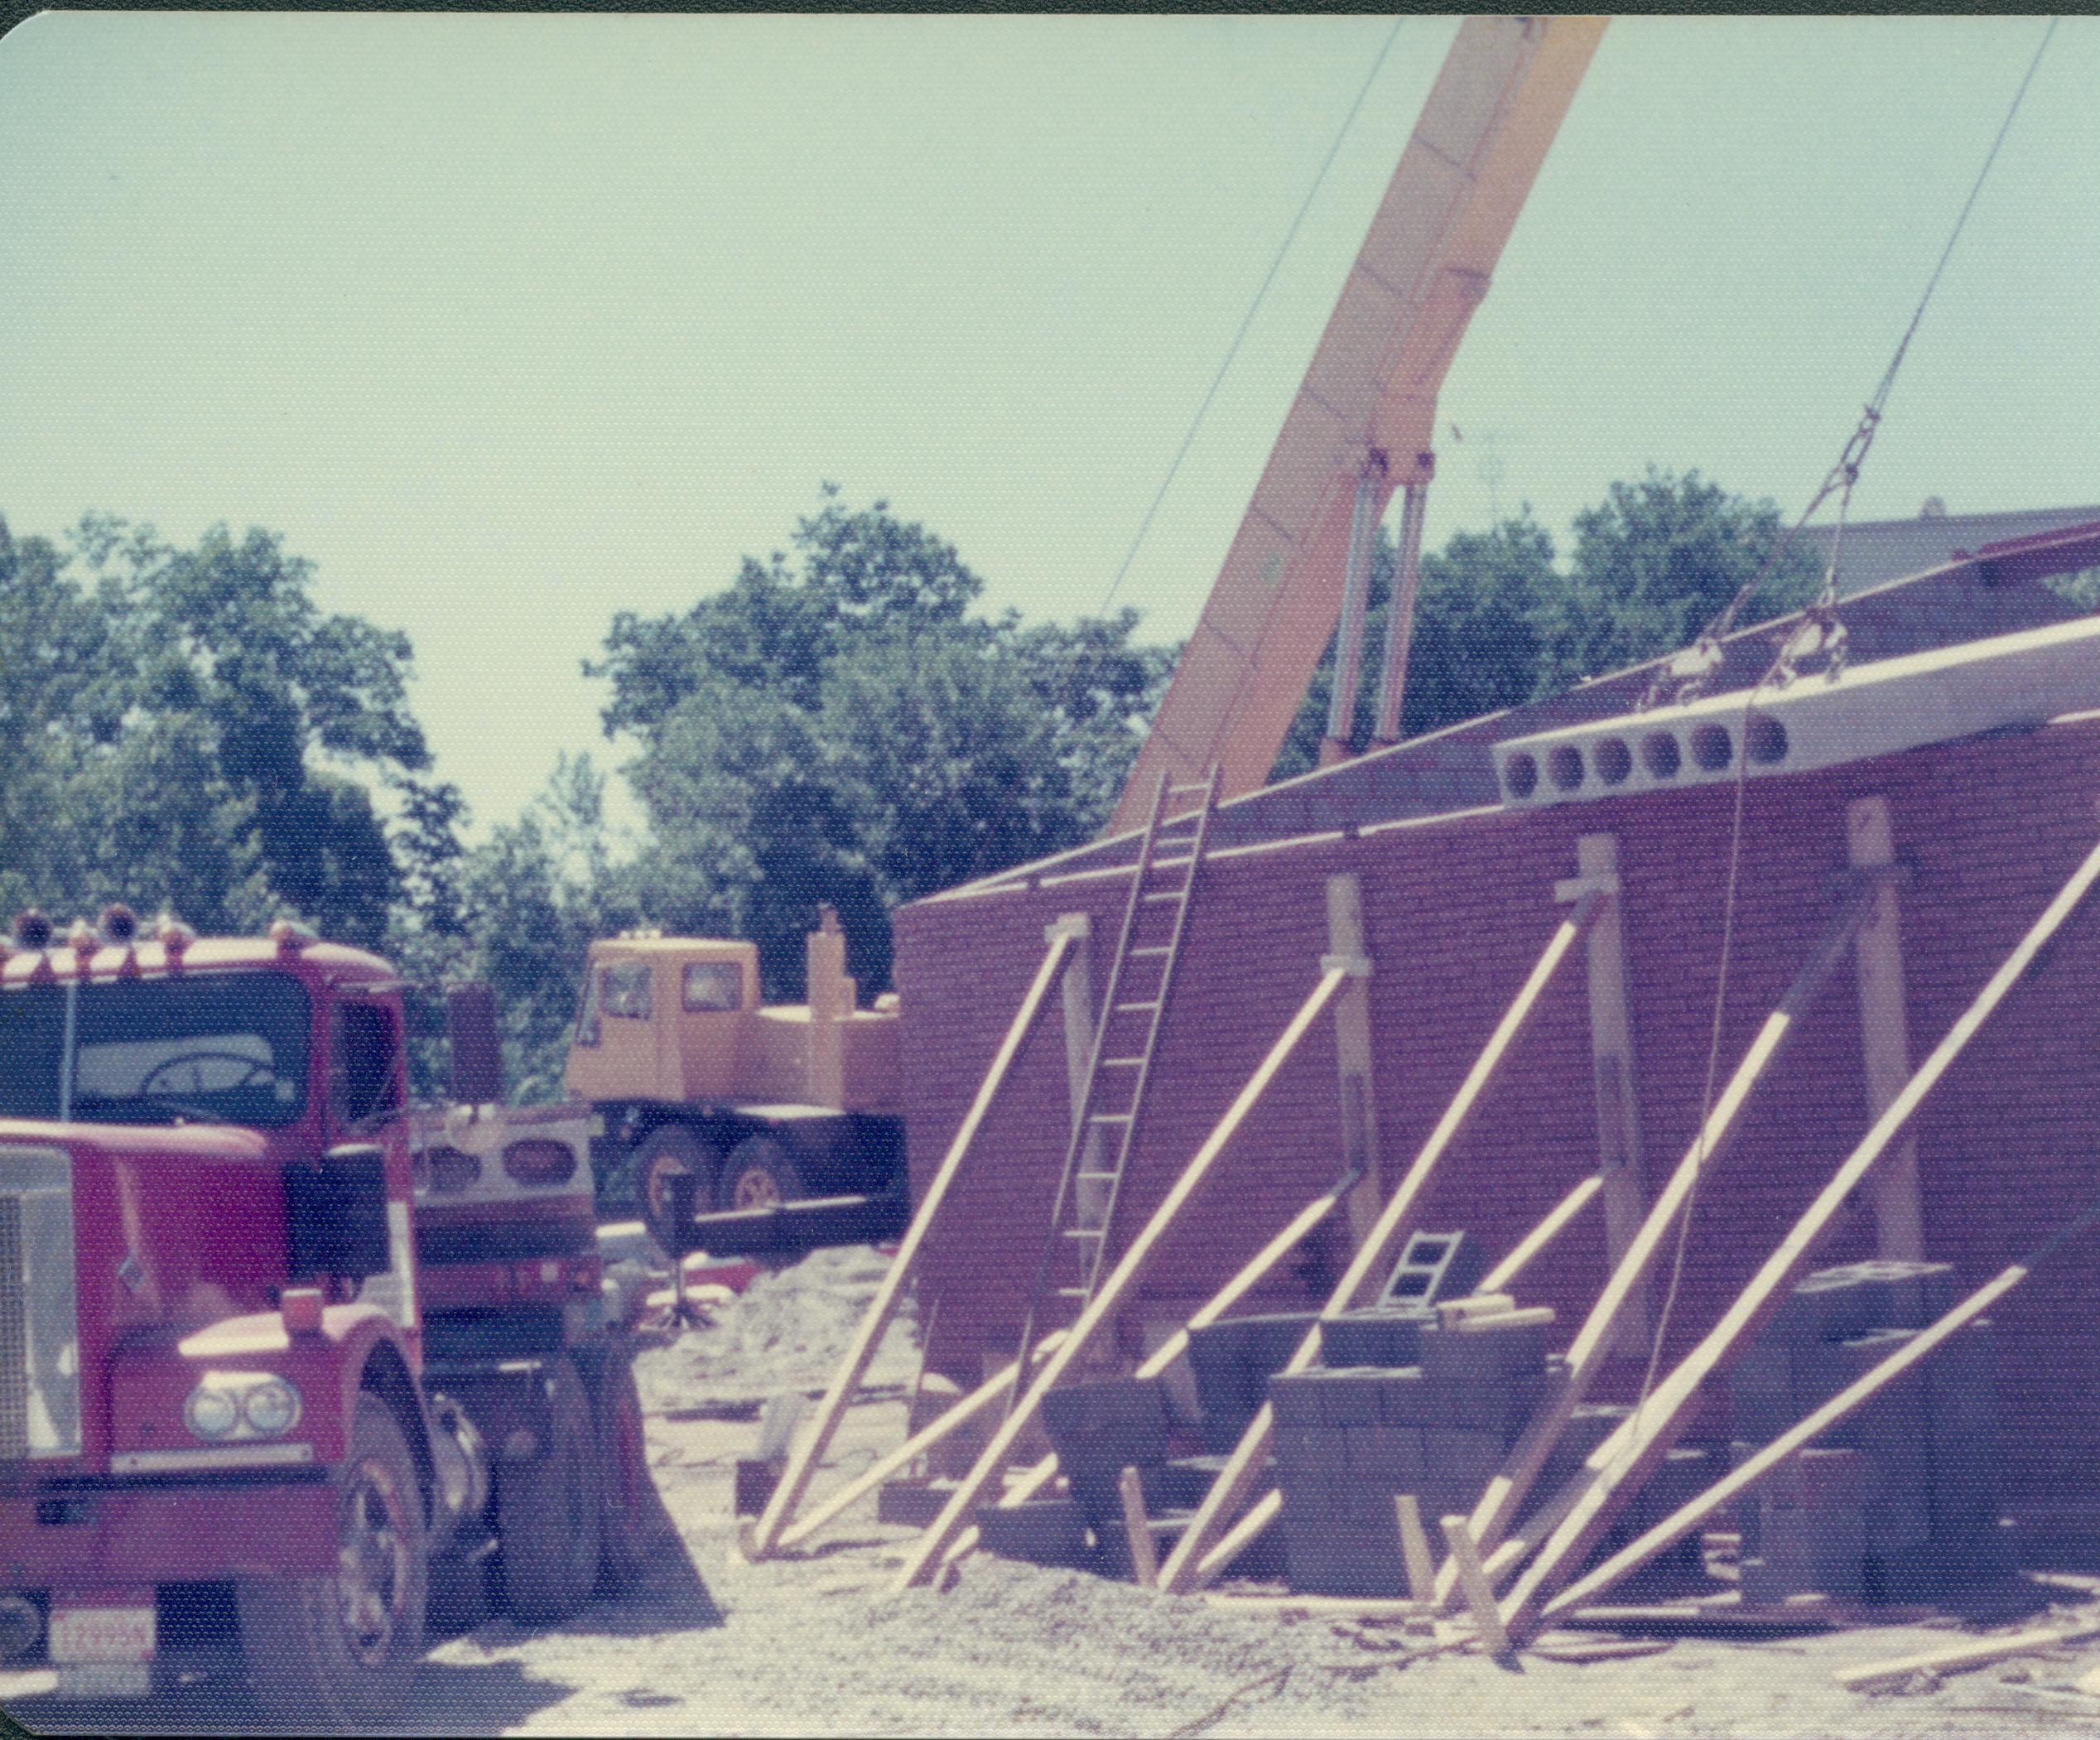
(747, 1129)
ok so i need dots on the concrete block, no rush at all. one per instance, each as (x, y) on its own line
(1845, 1302)
(1048, 1531)
(1379, 1337)
(1296, 1398)
(1271, 1341)
(1385, 1460)
(1803, 1550)
(1405, 1398)
(1218, 1358)
(1459, 1462)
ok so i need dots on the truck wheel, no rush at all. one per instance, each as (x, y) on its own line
(668, 1149)
(548, 1510)
(632, 1515)
(336, 1651)
(757, 1174)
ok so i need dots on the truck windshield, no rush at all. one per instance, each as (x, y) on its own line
(231, 1046)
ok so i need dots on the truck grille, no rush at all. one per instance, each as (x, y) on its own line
(40, 1351)
(14, 1337)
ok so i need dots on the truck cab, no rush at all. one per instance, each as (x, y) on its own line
(743, 1126)
(216, 1423)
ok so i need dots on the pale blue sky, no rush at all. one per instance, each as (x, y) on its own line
(509, 322)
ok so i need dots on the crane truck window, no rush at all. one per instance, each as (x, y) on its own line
(623, 989)
(715, 986)
(232, 1047)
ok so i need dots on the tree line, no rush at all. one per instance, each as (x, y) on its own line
(842, 724)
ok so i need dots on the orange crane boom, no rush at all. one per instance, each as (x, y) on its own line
(1362, 422)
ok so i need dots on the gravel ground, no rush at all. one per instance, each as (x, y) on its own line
(814, 1644)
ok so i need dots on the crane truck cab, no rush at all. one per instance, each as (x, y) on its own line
(745, 1127)
(250, 1392)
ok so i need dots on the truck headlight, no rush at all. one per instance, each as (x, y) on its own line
(212, 1410)
(271, 1407)
(237, 1405)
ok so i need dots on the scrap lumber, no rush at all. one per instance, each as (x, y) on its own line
(1512, 1485)
(1618, 1466)
(934, 1431)
(1500, 1277)
(1958, 1657)
(860, 1352)
(1109, 1297)
(1236, 1480)
(1479, 1597)
(1682, 1521)
(1144, 1551)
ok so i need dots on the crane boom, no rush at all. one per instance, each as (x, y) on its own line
(1362, 422)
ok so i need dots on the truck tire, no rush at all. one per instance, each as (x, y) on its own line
(631, 1515)
(548, 1510)
(335, 1652)
(757, 1174)
(671, 1148)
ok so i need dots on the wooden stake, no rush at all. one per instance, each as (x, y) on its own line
(1479, 1597)
(1414, 1547)
(1506, 1492)
(1499, 1279)
(801, 1465)
(1144, 1555)
(1610, 1476)
(1682, 1521)
(1620, 1162)
(1243, 1468)
(1109, 1298)
(1885, 1037)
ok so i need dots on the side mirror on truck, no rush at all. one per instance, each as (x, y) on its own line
(336, 1214)
(477, 1048)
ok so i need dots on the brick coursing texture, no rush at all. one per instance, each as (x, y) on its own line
(1455, 913)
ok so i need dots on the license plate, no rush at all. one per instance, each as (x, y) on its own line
(101, 1634)
(105, 1679)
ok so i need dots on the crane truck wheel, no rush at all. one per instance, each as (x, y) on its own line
(547, 1512)
(758, 1173)
(335, 1652)
(669, 1148)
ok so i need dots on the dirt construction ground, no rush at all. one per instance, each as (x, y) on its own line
(815, 1645)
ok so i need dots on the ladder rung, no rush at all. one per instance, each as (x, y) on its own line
(1074, 1293)
(1109, 1117)
(1198, 785)
(1083, 1232)
(1171, 863)
(1121, 1063)
(1154, 948)
(1124, 1008)
(1169, 894)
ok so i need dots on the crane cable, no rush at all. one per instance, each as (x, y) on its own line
(1703, 657)
(1253, 307)
(1840, 481)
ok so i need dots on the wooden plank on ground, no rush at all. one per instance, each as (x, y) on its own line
(1512, 1485)
(1612, 1474)
(1235, 1482)
(802, 1464)
(1109, 1298)
(1682, 1521)
(1144, 1552)
(1956, 1657)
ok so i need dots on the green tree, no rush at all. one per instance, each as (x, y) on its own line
(185, 728)
(1499, 622)
(836, 727)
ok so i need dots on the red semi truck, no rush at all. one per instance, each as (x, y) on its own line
(278, 1351)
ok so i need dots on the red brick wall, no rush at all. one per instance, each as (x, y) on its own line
(1455, 913)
